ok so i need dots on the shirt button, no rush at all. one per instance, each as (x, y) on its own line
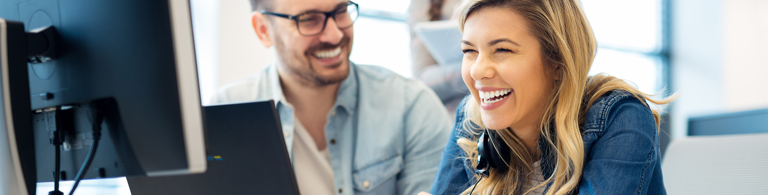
(339, 190)
(333, 113)
(287, 134)
(366, 184)
(333, 141)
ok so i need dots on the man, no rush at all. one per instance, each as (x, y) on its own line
(350, 129)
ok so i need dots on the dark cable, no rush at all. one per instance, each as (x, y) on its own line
(470, 192)
(57, 140)
(88, 160)
(56, 174)
(58, 169)
(97, 118)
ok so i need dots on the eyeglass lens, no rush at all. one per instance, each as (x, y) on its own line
(312, 23)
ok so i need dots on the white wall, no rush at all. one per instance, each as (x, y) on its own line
(205, 20)
(226, 46)
(746, 54)
(718, 58)
(241, 53)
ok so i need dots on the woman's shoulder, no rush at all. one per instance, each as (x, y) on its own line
(607, 105)
(460, 123)
(621, 136)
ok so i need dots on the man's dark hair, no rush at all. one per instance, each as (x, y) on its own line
(257, 5)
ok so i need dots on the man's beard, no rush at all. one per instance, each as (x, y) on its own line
(304, 69)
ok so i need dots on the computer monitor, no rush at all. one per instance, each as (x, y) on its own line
(14, 156)
(136, 55)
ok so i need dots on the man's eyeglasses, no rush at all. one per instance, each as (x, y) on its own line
(313, 23)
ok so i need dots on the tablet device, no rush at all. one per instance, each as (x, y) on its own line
(246, 154)
(442, 40)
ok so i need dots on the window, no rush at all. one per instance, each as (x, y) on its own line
(382, 42)
(394, 9)
(631, 41)
(382, 37)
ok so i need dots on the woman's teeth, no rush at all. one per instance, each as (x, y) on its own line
(328, 53)
(490, 97)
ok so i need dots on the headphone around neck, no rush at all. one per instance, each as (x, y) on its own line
(492, 152)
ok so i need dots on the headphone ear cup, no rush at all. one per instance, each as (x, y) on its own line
(483, 161)
(498, 151)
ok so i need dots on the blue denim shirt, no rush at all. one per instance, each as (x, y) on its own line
(621, 145)
(388, 130)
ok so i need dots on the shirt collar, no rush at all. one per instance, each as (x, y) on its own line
(346, 97)
(276, 85)
(348, 90)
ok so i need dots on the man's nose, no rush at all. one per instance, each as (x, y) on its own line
(331, 34)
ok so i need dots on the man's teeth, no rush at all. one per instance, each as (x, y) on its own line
(486, 96)
(328, 53)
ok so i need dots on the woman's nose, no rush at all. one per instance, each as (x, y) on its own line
(483, 68)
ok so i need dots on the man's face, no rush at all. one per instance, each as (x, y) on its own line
(315, 60)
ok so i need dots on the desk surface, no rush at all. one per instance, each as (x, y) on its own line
(116, 186)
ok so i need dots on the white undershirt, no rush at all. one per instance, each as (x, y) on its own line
(314, 173)
(537, 179)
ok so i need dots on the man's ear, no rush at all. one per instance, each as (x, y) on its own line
(261, 26)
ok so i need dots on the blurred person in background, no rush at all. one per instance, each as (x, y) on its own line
(535, 122)
(445, 80)
(349, 129)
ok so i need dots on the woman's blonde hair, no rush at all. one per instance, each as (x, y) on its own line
(568, 46)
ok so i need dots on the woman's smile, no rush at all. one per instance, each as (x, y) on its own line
(491, 98)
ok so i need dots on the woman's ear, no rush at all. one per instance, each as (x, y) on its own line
(261, 26)
(557, 72)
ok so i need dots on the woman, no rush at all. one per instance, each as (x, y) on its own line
(545, 126)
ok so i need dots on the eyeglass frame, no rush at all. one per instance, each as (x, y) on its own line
(331, 14)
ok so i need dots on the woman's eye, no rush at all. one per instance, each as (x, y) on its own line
(465, 51)
(504, 50)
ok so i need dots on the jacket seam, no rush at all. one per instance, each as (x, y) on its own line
(642, 175)
(590, 131)
(610, 101)
(614, 97)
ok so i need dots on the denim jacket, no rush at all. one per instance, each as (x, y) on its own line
(387, 130)
(621, 151)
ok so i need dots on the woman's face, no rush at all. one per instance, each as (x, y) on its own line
(504, 70)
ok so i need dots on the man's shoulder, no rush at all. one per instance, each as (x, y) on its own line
(376, 73)
(253, 88)
(383, 79)
(378, 84)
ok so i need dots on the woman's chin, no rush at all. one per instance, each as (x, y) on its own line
(495, 124)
